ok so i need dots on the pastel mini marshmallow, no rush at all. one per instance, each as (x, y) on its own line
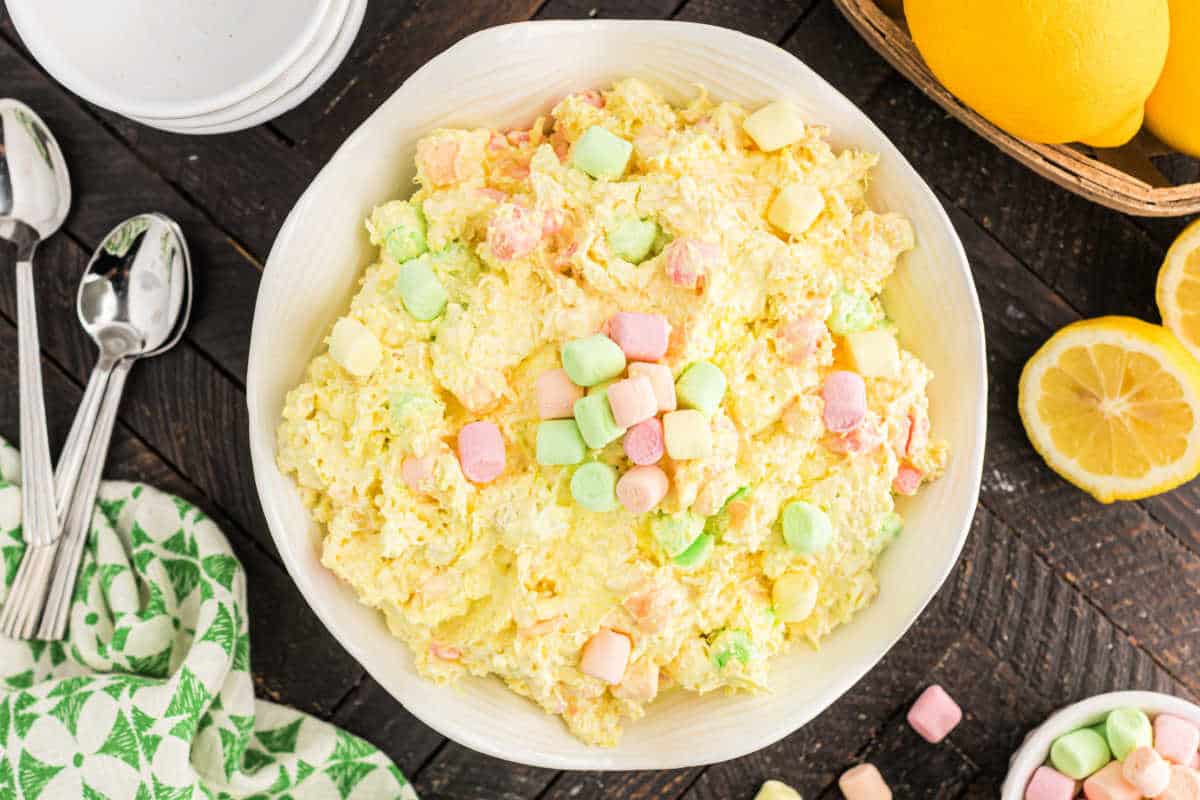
(1175, 738)
(776, 790)
(354, 347)
(1146, 771)
(874, 353)
(801, 338)
(644, 444)
(687, 434)
(632, 401)
(1110, 784)
(661, 380)
(934, 714)
(1048, 783)
(688, 261)
(416, 471)
(481, 451)
(606, 655)
(643, 337)
(864, 783)
(845, 396)
(556, 394)
(641, 489)
(907, 480)
(1183, 785)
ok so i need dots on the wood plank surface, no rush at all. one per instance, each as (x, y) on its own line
(1055, 597)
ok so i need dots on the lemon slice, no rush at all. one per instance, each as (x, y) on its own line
(1112, 405)
(1179, 288)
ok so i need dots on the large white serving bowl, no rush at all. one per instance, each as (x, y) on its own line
(506, 76)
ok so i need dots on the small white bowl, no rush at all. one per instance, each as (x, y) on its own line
(1034, 751)
(507, 76)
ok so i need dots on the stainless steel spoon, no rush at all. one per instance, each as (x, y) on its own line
(35, 193)
(134, 301)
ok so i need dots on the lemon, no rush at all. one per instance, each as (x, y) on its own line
(1173, 111)
(1178, 291)
(1047, 70)
(1111, 405)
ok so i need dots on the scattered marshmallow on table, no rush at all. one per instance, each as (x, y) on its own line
(687, 434)
(1175, 738)
(556, 394)
(592, 359)
(1146, 771)
(777, 790)
(864, 783)
(1050, 784)
(641, 489)
(632, 401)
(481, 451)
(845, 396)
(661, 379)
(1109, 784)
(643, 442)
(934, 714)
(606, 655)
(643, 337)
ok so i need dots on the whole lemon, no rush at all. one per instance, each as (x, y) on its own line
(1047, 70)
(1173, 110)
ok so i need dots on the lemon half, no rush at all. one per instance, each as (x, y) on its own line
(1178, 292)
(1111, 405)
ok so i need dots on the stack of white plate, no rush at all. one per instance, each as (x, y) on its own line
(190, 66)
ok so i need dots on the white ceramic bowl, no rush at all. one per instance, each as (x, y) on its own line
(506, 76)
(1036, 748)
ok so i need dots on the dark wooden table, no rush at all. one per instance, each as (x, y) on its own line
(1055, 597)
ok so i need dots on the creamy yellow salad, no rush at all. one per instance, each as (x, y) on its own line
(618, 407)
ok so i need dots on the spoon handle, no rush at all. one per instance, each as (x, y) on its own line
(80, 509)
(38, 518)
(70, 460)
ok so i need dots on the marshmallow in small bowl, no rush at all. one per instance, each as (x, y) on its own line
(1116, 745)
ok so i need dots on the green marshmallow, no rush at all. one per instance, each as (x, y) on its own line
(729, 645)
(595, 419)
(675, 533)
(419, 289)
(696, 554)
(806, 528)
(719, 522)
(632, 239)
(593, 359)
(594, 486)
(559, 443)
(458, 269)
(891, 526)
(701, 386)
(600, 388)
(852, 312)
(1127, 729)
(413, 411)
(601, 154)
(399, 226)
(1079, 753)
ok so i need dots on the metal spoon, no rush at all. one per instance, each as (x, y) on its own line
(134, 301)
(35, 193)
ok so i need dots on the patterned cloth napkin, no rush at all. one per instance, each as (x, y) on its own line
(150, 696)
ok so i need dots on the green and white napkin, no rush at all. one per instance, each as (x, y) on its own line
(150, 696)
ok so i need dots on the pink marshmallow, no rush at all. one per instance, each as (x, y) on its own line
(643, 337)
(802, 337)
(640, 489)
(444, 651)
(438, 159)
(689, 260)
(934, 714)
(1184, 784)
(606, 655)
(644, 442)
(1175, 738)
(481, 451)
(1146, 771)
(632, 401)
(415, 471)
(1050, 784)
(661, 379)
(1195, 762)
(1110, 784)
(845, 397)
(513, 232)
(864, 783)
(907, 480)
(556, 395)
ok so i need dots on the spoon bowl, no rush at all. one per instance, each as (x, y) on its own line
(35, 188)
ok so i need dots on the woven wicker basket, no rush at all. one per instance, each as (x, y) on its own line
(1123, 178)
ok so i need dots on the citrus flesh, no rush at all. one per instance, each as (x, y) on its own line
(1178, 291)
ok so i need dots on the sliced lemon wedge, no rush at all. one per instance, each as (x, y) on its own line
(1179, 288)
(1113, 405)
